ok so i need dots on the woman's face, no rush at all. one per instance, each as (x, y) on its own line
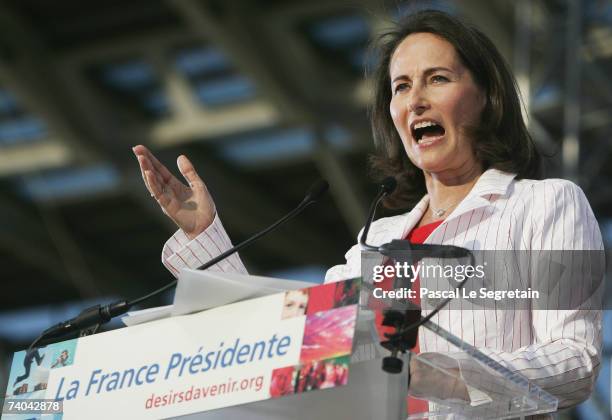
(434, 98)
(295, 304)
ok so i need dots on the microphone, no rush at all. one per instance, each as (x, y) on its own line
(400, 249)
(387, 186)
(98, 314)
(315, 191)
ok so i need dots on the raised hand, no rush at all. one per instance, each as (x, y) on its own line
(190, 206)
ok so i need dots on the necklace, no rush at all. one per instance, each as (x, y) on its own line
(439, 212)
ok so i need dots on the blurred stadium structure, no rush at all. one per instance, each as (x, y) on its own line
(264, 96)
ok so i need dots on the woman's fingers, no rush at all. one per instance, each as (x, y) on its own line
(144, 167)
(153, 184)
(146, 162)
(156, 165)
(196, 185)
(159, 192)
(189, 172)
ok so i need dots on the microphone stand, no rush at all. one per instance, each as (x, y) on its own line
(407, 322)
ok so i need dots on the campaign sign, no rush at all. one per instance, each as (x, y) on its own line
(249, 351)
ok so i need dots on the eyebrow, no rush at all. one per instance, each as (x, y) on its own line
(425, 73)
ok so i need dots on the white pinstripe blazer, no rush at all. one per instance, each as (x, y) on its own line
(559, 350)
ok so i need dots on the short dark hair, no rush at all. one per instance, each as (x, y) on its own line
(501, 139)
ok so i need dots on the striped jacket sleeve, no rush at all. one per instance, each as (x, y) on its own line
(180, 252)
(564, 357)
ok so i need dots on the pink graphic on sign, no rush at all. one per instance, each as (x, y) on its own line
(328, 334)
(282, 382)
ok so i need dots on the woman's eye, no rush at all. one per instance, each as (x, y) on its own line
(438, 79)
(400, 87)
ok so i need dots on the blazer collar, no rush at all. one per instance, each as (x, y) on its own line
(491, 182)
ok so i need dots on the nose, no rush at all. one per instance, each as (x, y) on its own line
(417, 102)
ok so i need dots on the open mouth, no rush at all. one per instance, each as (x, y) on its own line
(427, 130)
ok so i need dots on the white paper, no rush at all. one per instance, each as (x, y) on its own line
(147, 315)
(198, 290)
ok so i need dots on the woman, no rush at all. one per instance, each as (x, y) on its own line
(447, 121)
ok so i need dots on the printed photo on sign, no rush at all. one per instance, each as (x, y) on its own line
(295, 303)
(333, 295)
(317, 374)
(323, 374)
(30, 368)
(328, 334)
(283, 381)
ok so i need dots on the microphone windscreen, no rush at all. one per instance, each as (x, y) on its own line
(316, 190)
(388, 184)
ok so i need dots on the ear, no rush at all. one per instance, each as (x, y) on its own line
(483, 98)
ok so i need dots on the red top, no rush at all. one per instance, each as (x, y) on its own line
(418, 235)
(415, 236)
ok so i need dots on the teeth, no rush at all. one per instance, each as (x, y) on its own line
(424, 124)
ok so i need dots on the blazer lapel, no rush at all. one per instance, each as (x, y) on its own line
(412, 218)
(491, 182)
(398, 227)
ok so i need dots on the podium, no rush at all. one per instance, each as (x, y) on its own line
(155, 369)
(371, 393)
